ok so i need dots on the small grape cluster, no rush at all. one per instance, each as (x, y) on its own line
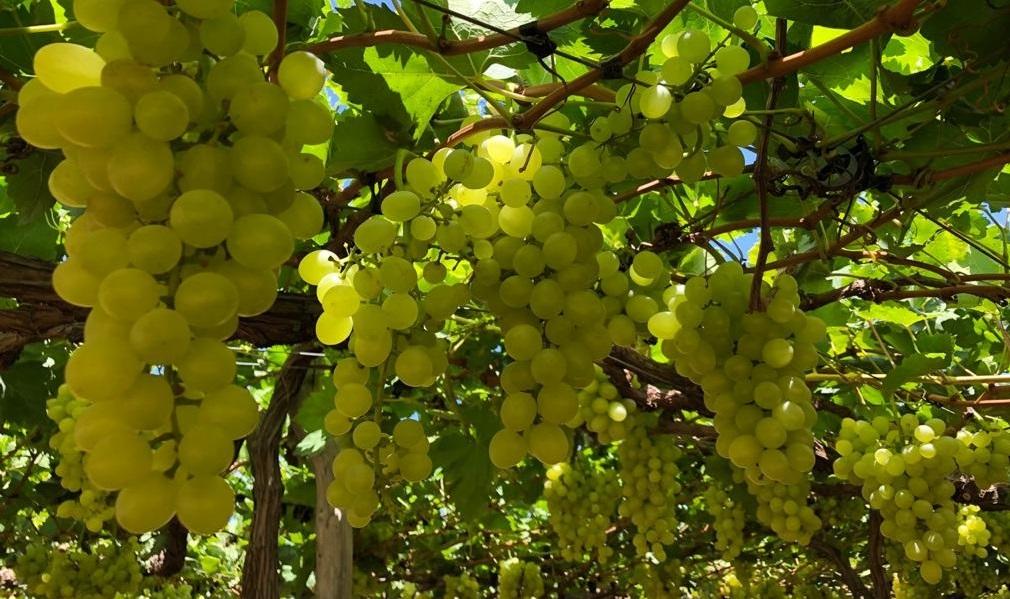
(973, 536)
(729, 517)
(519, 580)
(661, 581)
(903, 469)
(648, 466)
(750, 367)
(461, 587)
(603, 411)
(403, 452)
(187, 164)
(984, 455)
(108, 569)
(998, 524)
(670, 120)
(582, 498)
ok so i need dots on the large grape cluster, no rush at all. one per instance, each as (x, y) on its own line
(903, 469)
(582, 499)
(729, 517)
(602, 410)
(461, 587)
(648, 465)
(185, 165)
(750, 366)
(519, 580)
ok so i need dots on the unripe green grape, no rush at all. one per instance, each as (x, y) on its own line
(727, 161)
(583, 161)
(222, 35)
(458, 165)
(141, 168)
(204, 504)
(206, 299)
(741, 133)
(94, 117)
(777, 353)
(232, 74)
(697, 108)
(732, 60)
(65, 67)
(161, 336)
(745, 17)
(259, 164)
(308, 122)
(656, 101)
(515, 192)
(161, 115)
(260, 109)
(302, 75)
(481, 174)
(547, 442)
(307, 171)
(186, 90)
(692, 168)
(232, 409)
(522, 342)
(260, 33)
(725, 91)
(401, 206)
(303, 218)
(98, 15)
(677, 70)
(693, 45)
(507, 448)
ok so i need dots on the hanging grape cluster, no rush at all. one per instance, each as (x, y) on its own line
(582, 498)
(750, 366)
(519, 580)
(729, 520)
(183, 165)
(648, 465)
(602, 410)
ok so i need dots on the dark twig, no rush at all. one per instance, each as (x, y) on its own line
(881, 590)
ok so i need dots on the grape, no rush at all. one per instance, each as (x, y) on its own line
(204, 450)
(656, 101)
(140, 168)
(745, 17)
(648, 471)
(697, 108)
(207, 366)
(117, 461)
(725, 91)
(128, 293)
(75, 284)
(260, 241)
(507, 449)
(102, 369)
(547, 442)
(259, 163)
(222, 35)
(301, 75)
(732, 60)
(94, 117)
(160, 336)
(693, 45)
(204, 504)
(65, 67)
(742, 133)
(205, 9)
(161, 115)
(206, 299)
(727, 161)
(259, 110)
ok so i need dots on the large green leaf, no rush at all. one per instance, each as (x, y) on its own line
(361, 143)
(844, 15)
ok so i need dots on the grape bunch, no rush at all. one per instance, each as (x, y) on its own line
(903, 469)
(973, 536)
(108, 569)
(582, 498)
(519, 580)
(661, 581)
(729, 520)
(602, 410)
(984, 455)
(648, 467)
(461, 587)
(682, 119)
(998, 524)
(183, 166)
(750, 366)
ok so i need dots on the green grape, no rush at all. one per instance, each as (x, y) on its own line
(648, 471)
(140, 168)
(725, 91)
(94, 117)
(547, 442)
(206, 9)
(656, 101)
(231, 409)
(222, 35)
(507, 448)
(308, 122)
(74, 284)
(160, 336)
(161, 115)
(204, 504)
(727, 161)
(401, 206)
(745, 17)
(260, 241)
(732, 60)
(117, 461)
(697, 108)
(258, 110)
(259, 163)
(301, 75)
(206, 299)
(693, 45)
(260, 33)
(741, 133)
(207, 366)
(65, 67)
(204, 450)
(128, 293)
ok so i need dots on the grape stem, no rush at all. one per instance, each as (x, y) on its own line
(748, 38)
(32, 29)
(280, 17)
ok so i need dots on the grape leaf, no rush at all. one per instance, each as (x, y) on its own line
(842, 15)
(361, 143)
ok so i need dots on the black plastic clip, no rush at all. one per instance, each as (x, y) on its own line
(612, 67)
(537, 41)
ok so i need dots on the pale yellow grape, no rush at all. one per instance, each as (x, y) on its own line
(232, 409)
(341, 300)
(128, 293)
(98, 421)
(367, 435)
(304, 217)
(260, 241)
(307, 171)
(548, 443)
(331, 330)
(161, 115)
(401, 206)
(160, 336)
(146, 505)
(518, 411)
(69, 186)
(257, 288)
(147, 405)
(353, 400)
(207, 366)
(348, 370)
(222, 35)
(221, 332)
(205, 450)
(745, 17)
(112, 210)
(260, 33)
(302, 75)
(507, 449)
(141, 168)
(259, 109)
(557, 403)
(400, 310)
(259, 163)
(112, 45)
(202, 218)
(206, 299)
(317, 264)
(36, 121)
(159, 43)
(725, 91)
(93, 164)
(413, 367)
(94, 117)
(375, 235)
(656, 101)
(548, 367)
(101, 251)
(522, 342)
(230, 75)
(32, 90)
(309, 122)
(516, 221)
(98, 15)
(336, 424)
(206, 9)
(186, 90)
(99, 325)
(727, 161)
(415, 467)
(408, 433)
(206, 168)
(75, 284)
(204, 504)
(373, 351)
(129, 78)
(154, 248)
(65, 67)
(117, 461)
(732, 60)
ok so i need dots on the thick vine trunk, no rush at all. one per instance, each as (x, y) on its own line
(260, 572)
(172, 558)
(334, 541)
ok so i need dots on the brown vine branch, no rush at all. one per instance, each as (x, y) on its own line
(875, 548)
(855, 584)
(953, 173)
(10, 79)
(280, 16)
(581, 10)
(876, 291)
